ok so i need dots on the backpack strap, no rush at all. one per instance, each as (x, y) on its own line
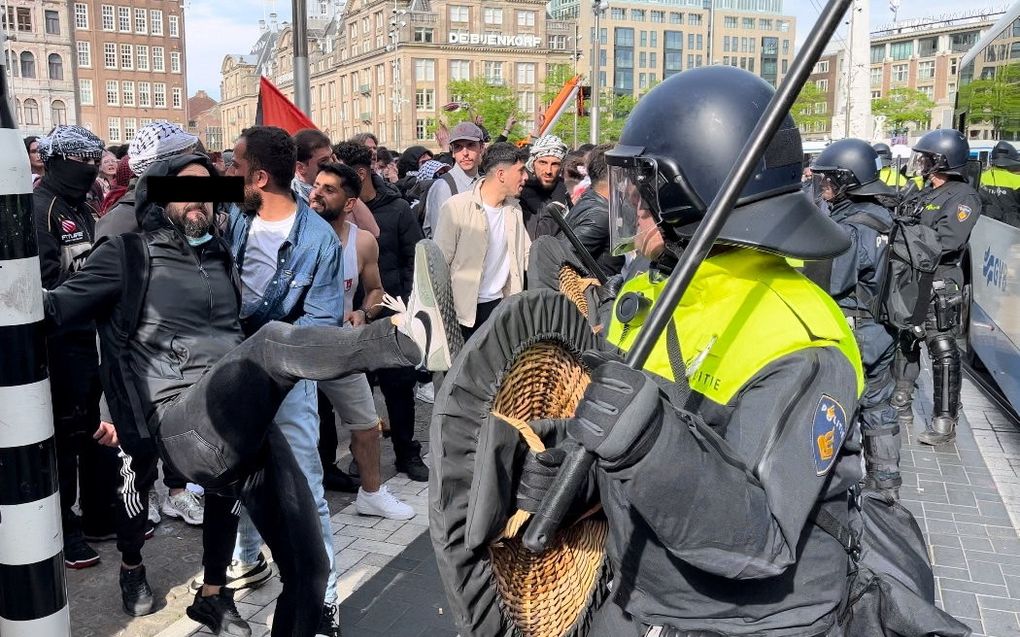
(847, 538)
(451, 182)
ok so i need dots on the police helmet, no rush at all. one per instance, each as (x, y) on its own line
(677, 148)
(1004, 155)
(940, 151)
(884, 153)
(851, 167)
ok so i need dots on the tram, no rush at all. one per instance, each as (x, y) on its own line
(992, 266)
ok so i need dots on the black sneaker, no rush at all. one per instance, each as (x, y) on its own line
(334, 479)
(135, 591)
(78, 554)
(242, 575)
(329, 625)
(414, 468)
(219, 614)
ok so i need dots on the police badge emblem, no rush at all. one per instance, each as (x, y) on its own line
(828, 432)
(962, 212)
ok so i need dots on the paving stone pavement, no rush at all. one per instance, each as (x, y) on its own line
(966, 497)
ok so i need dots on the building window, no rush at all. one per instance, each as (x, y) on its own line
(127, 59)
(127, 92)
(425, 99)
(783, 25)
(81, 16)
(56, 66)
(156, 21)
(493, 16)
(925, 70)
(900, 72)
(109, 55)
(694, 19)
(52, 22)
(424, 34)
(875, 95)
(130, 125)
(525, 18)
(747, 24)
(124, 19)
(637, 15)
(175, 61)
(422, 128)
(929, 91)
(141, 21)
(493, 72)
(822, 85)
(617, 13)
(58, 113)
(877, 53)
(901, 50)
(526, 102)
(27, 65)
(425, 70)
(525, 73)
(159, 95)
(558, 42)
(112, 93)
(676, 18)
(108, 20)
(113, 129)
(85, 92)
(84, 54)
(31, 112)
(176, 96)
(658, 17)
(457, 14)
(821, 67)
(175, 26)
(460, 69)
(142, 57)
(623, 36)
(876, 76)
(158, 59)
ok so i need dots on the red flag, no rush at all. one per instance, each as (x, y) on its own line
(274, 109)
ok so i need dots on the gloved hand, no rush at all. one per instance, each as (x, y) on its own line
(619, 417)
(595, 358)
(537, 476)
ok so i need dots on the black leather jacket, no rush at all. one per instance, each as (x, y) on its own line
(589, 219)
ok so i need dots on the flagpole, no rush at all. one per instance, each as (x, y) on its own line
(302, 89)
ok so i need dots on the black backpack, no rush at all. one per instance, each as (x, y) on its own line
(421, 191)
(913, 255)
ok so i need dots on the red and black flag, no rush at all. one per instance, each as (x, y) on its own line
(274, 109)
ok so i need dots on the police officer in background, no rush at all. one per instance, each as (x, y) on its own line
(712, 459)
(1000, 185)
(848, 179)
(891, 175)
(949, 205)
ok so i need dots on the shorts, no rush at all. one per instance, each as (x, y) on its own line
(352, 399)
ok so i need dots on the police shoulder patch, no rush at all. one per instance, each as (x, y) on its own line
(962, 212)
(828, 431)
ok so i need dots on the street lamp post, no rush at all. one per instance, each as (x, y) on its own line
(396, 23)
(302, 88)
(599, 7)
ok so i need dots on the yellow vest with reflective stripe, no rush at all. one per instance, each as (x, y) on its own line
(890, 177)
(742, 311)
(996, 177)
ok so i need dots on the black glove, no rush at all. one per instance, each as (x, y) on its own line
(619, 417)
(595, 358)
(537, 476)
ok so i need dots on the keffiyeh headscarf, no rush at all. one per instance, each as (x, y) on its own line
(546, 146)
(429, 169)
(157, 141)
(70, 141)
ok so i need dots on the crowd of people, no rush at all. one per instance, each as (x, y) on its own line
(236, 337)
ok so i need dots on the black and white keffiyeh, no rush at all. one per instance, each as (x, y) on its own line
(546, 146)
(156, 141)
(70, 140)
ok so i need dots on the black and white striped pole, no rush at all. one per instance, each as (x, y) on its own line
(33, 590)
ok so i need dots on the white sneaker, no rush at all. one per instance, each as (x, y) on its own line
(184, 505)
(382, 504)
(429, 318)
(154, 517)
(426, 393)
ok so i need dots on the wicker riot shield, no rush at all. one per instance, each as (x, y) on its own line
(524, 364)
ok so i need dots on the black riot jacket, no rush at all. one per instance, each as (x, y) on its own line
(952, 210)
(857, 274)
(188, 318)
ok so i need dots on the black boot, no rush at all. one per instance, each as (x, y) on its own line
(942, 432)
(135, 591)
(882, 461)
(219, 613)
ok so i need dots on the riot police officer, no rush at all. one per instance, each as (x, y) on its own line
(849, 181)
(712, 459)
(950, 206)
(1000, 185)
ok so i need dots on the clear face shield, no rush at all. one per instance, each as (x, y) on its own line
(633, 201)
(921, 164)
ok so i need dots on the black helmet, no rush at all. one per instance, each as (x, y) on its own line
(852, 166)
(1004, 155)
(678, 146)
(940, 151)
(884, 153)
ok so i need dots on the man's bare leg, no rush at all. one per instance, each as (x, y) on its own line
(366, 449)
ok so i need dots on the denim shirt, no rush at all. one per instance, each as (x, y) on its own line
(307, 288)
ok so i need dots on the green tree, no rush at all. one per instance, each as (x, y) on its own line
(995, 100)
(904, 106)
(806, 111)
(494, 103)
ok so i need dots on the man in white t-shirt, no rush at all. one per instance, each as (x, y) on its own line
(481, 232)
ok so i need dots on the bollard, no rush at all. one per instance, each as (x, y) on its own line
(33, 590)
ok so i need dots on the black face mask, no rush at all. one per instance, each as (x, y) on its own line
(71, 179)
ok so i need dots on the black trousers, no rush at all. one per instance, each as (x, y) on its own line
(397, 387)
(219, 433)
(482, 313)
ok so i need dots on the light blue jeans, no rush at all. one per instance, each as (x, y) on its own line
(298, 420)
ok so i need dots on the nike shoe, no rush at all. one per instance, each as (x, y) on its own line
(429, 318)
(382, 504)
(242, 575)
(219, 614)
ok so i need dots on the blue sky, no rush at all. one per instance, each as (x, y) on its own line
(215, 28)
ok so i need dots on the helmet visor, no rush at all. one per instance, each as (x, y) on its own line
(633, 203)
(921, 164)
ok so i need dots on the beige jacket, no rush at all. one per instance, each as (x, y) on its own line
(462, 233)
